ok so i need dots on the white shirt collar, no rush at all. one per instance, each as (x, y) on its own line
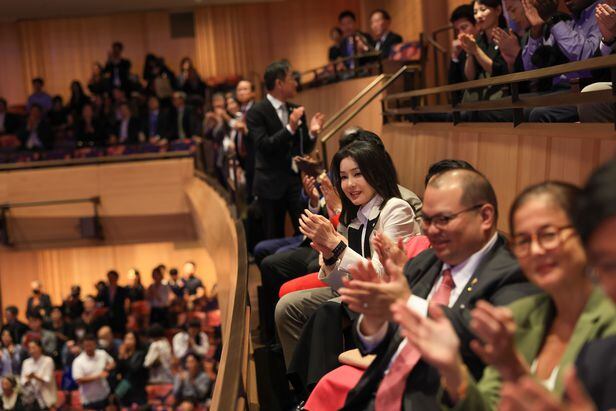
(365, 212)
(275, 102)
(462, 272)
(383, 37)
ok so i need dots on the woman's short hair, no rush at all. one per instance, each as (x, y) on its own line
(377, 169)
(561, 194)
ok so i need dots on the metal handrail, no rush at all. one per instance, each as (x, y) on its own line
(342, 60)
(350, 117)
(353, 101)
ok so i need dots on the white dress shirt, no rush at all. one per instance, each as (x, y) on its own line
(461, 274)
(283, 113)
(86, 366)
(182, 345)
(43, 368)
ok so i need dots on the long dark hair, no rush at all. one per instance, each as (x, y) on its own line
(377, 169)
(502, 22)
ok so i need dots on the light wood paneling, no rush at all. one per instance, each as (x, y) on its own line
(58, 269)
(512, 158)
(330, 99)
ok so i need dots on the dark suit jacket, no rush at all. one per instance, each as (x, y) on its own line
(161, 123)
(17, 330)
(498, 279)
(44, 132)
(134, 127)
(123, 67)
(12, 122)
(596, 368)
(44, 303)
(385, 46)
(117, 312)
(274, 146)
(189, 123)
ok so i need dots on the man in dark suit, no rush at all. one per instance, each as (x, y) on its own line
(39, 302)
(36, 134)
(278, 130)
(468, 259)
(116, 299)
(353, 41)
(181, 121)
(128, 127)
(117, 68)
(153, 122)
(16, 328)
(384, 40)
(245, 94)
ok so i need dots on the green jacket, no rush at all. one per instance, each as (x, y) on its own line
(533, 315)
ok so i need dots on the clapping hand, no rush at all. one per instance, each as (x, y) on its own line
(372, 295)
(606, 20)
(387, 249)
(295, 118)
(321, 231)
(495, 329)
(528, 394)
(332, 199)
(310, 188)
(531, 13)
(508, 44)
(468, 43)
(316, 123)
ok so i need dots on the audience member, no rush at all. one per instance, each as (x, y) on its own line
(98, 83)
(159, 297)
(78, 98)
(191, 340)
(353, 42)
(244, 146)
(176, 283)
(47, 339)
(468, 262)
(115, 297)
(90, 131)
(181, 123)
(463, 21)
(39, 302)
(12, 323)
(117, 67)
(153, 123)
(189, 81)
(9, 122)
(72, 307)
(191, 384)
(11, 397)
(274, 124)
(539, 335)
(384, 39)
(127, 127)
(132, 375)
(107, 342)
(11, 355)
(334, 52)
(193, 286)
(159, 358)
(39, 97)
(37, 377)
(91, 319)
(36, 134)
(136, 291)
(90, 370)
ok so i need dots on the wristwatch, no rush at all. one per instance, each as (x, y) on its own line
(336, 252)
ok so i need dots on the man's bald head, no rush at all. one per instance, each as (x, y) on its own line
(475, 187)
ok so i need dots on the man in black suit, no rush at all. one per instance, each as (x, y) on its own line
(117, 68)
(181, 121)
(36, 134)
(128, 127)
(245, 94)
(353, 41)
(39, 302)
(459, 217)
(278, 131)
(116, 299)
(16, 328)
(384, 40)
(153, 122)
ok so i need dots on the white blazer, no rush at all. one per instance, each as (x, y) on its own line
(395, 220)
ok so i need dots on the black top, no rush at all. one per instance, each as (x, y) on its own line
(596, 368)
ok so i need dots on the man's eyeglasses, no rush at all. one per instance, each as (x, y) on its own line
(441, 220)
(548, 238)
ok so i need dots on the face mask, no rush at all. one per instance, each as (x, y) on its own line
(103, 343)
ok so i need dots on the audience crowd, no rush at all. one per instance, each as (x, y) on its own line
(125, 346)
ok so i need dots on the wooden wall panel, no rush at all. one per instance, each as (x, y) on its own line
(58, 269)
(512, 158)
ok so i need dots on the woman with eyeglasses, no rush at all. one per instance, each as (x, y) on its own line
(537, 336)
